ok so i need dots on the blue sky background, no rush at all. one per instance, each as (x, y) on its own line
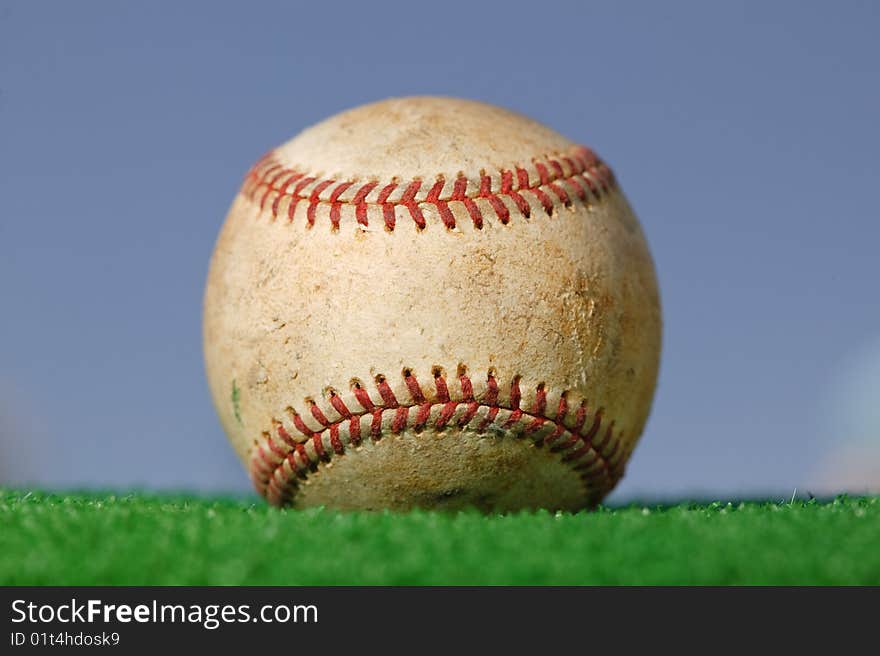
(745, 134)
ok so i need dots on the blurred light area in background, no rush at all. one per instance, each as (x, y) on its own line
(21, 432)
(851, 423)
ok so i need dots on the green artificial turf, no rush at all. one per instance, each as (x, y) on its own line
(153, 540)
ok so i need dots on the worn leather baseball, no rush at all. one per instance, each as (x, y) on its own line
(430, 302)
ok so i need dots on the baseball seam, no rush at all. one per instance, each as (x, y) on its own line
(547, 183)
(286, 454)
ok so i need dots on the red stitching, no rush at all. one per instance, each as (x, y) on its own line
(319, 448)
(284, 435)
(300, 424)
(408, 201)
(318, 414)
(277, 464)
(269, 185)
(489, 420)
(338, 448)
(472, 408)
(400, 418)
(492, 393)
(278, 451)
(339, 405)
(540, 400)
(303, 456)
(515, 394)
(563, 178)
(543, 174)
(376, 426)
(459, 193)
(359, 201)
(446, 414)
(467, 389)
(442, 389)
(335, 205)
(544, 200)
(314, 199)
(386, 392)
(387, 208)
(415, 391)
(422, 416)
(354, 430)
(433, 196)
(362, 397)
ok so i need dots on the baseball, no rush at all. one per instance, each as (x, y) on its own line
(434, 303)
